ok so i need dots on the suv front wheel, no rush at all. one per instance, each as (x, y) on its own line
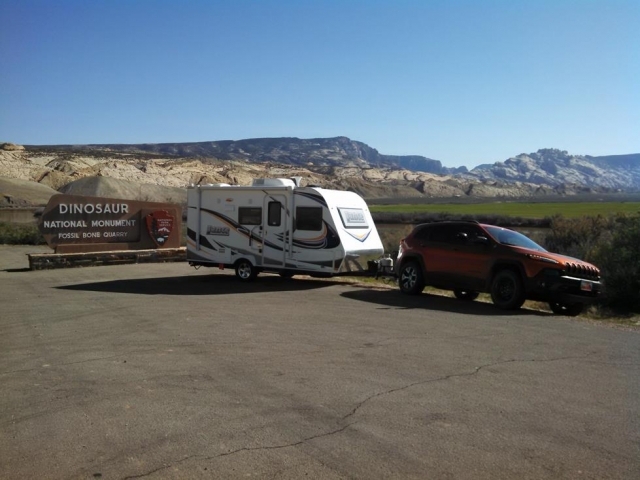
(411, 280)
(507, 291)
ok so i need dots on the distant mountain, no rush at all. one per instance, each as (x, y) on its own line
(551, 169)
(555, 167)
(161, 172)
(319, 152)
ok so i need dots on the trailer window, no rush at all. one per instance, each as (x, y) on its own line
(353, 218)
(275, 214)
(250, 215)
(309, 218)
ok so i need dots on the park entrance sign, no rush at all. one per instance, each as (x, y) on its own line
(76, 223)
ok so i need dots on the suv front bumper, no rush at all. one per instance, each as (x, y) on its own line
(566, 289)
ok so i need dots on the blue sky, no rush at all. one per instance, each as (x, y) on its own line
(464, 82)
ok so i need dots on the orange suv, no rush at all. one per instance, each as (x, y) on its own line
(469, 257)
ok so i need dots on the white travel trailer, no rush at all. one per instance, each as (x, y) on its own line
(277, 226)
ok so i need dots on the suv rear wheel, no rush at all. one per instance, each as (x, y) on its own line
(468, 295)
(507, 291)
(411, 279)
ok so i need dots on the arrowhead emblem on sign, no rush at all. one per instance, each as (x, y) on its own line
(160, 225)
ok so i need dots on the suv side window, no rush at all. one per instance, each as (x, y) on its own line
(450, 234)
(422, 234)
(442, 234)
(466, 234)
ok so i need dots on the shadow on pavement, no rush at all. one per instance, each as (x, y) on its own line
(199, 285)
(395, 299)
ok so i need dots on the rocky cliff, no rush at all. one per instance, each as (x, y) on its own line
(160, 172)
(557, 167)
(318, 152)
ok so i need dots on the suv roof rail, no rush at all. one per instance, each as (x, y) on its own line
(472, 222)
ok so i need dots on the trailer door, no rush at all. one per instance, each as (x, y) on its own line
(276, 227)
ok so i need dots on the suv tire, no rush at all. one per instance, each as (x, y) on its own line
(468, 295)
(507, 291)
(411, 279)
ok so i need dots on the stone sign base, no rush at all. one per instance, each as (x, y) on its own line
(44, 261)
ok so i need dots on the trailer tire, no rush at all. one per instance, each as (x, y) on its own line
(245, 271)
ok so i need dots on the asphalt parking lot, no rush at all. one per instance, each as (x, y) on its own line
(162, 371)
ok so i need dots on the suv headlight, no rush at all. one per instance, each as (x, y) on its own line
(542, 259)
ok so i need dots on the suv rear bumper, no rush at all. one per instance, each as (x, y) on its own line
(566, 289)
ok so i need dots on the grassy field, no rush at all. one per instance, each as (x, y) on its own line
(517, 209)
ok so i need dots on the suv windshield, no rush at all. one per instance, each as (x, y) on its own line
(509, 237)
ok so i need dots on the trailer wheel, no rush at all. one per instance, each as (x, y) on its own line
(245, 271)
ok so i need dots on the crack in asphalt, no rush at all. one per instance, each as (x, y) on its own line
(319, 350)
(133, 352)
(276, 447)
(374, 344)
(454, 375)
(79, 361)
(613, 364)
(164, 467)
(244, 449)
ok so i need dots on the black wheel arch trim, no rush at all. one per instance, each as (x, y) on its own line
(499, 265)
(409, 258)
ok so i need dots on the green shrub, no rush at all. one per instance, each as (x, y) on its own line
(619, 260)
(579, 237)
(611, 243)
(17, 234)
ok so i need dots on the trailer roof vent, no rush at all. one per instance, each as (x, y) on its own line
(273, 182)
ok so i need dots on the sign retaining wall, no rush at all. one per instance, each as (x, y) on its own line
(45, 261)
